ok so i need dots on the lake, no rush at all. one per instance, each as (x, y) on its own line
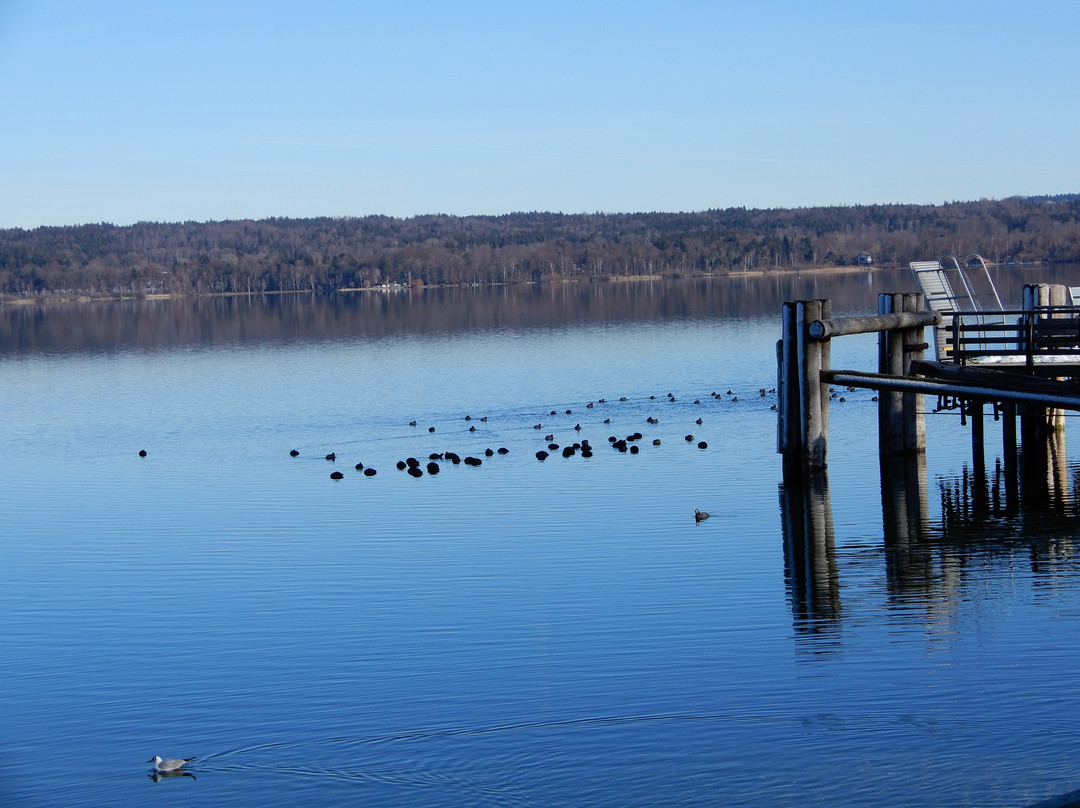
(522, 632)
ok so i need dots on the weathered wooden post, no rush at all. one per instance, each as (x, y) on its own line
(1041, 427)
(1041, 295)
(803, 423)
(978, 434)
(787, 432)
(890, 363)
(914, 404)
(901, 417)
(902, 426)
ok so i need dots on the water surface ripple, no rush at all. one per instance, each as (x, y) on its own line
(520, 632)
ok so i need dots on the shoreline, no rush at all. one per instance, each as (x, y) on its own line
(396, 288)
(49, 300)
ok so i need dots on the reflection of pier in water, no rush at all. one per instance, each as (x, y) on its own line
(931, 565)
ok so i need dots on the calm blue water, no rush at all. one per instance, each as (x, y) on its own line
(522, 633)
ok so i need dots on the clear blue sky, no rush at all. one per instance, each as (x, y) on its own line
(120, 111)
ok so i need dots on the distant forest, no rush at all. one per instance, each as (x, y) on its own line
(328, 254)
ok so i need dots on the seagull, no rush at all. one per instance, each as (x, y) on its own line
(170, 765)
(699, 516)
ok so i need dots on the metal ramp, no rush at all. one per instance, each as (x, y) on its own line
(949, 286)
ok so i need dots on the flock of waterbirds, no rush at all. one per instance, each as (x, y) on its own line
(579, 446)
(629, 444)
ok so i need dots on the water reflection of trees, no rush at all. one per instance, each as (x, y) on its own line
(162, 324)
(165, 323)
(932, 567)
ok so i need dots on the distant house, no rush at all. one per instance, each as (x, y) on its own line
(864, 259)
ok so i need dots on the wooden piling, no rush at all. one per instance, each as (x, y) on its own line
(901, 416)
(1040, 424)
(815, 394)
(914, 404)
(978, 448)
(787, 438)
(804, 398)
(890, 363)
(804, 358)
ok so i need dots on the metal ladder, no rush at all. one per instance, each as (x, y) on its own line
(947, 287)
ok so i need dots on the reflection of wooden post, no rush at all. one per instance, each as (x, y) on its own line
(809, 550)
(905, 519)
(904, 504)
(803, 422)
(1045, 481)
(1058, 467)
(1008, 441)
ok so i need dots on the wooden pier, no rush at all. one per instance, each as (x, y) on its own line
(1024, 363)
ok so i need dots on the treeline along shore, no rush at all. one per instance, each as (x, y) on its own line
(331, 254)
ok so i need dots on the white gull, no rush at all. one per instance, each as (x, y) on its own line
(170, 765)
